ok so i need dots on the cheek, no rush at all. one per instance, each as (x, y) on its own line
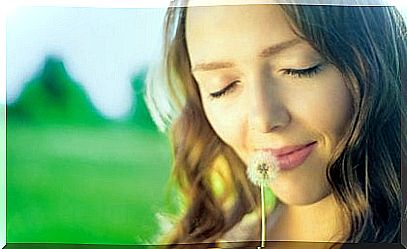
(327, 109)
(228, 123)
(337, 107)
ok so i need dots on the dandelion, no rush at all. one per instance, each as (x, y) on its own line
(262, 169)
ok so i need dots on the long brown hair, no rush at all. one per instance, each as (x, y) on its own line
(368, 46)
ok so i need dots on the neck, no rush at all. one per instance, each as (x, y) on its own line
(318, 222)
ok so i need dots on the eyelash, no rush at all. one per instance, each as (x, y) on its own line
(228, 89)
(298, 73)
(307, 72)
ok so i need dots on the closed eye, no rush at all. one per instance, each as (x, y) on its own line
(305, 72)
(228, 89)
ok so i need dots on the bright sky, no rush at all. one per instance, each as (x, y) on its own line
(102, 48)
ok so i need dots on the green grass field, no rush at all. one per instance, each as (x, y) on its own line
(73, 184)
(2, 176)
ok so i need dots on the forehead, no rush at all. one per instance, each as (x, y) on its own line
(215, 20)
(224, 31)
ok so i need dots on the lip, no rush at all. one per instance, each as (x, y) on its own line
(290, 157)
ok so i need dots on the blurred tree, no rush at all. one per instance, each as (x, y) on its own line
(52, 97)
(140, 116)
(67, 183)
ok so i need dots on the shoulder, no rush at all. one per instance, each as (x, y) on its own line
(248, 229)
(245, 230)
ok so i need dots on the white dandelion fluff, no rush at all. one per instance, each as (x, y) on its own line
(262, 168)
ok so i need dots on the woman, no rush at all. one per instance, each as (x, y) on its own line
(317, 87)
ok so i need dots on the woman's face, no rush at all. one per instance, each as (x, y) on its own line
(265, 89)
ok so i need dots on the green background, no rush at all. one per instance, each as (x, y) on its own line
(74, 176)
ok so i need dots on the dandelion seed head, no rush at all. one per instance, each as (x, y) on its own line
(262, 168)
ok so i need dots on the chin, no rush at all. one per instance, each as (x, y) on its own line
(301, 198)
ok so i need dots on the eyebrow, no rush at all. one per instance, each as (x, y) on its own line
(212, 66)
(270, 51)
(280, 47)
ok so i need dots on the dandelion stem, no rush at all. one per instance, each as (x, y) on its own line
(263, 217)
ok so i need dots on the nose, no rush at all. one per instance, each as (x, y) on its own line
(267, 109)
